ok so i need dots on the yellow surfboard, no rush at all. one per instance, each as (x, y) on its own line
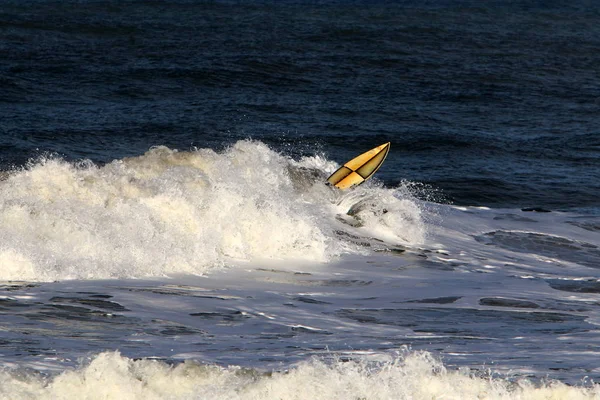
(359, 169)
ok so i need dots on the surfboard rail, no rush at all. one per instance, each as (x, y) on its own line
(360, 168)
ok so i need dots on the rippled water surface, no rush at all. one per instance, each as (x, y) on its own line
(165, 229)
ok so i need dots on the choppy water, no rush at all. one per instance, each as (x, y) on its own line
(165, 231)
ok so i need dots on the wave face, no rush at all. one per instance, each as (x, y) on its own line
(415, 376)
(169, 212)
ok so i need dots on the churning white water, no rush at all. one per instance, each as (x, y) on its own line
(240, 275)
(183, 212)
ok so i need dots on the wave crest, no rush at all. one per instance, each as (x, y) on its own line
(171, 212)
(416, 375)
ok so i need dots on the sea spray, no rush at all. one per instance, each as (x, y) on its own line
(172, 211)
(413, 375)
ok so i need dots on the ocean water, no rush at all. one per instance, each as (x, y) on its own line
(166, 233)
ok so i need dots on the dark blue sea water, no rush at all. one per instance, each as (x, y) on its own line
(492, 104)
(165, 232)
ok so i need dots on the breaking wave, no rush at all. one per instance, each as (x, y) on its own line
(168, 212)
(413, 375)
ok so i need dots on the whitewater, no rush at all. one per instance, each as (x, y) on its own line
(238, 274)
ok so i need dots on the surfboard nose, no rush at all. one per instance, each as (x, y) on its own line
(360, 168)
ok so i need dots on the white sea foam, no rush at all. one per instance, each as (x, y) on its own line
(184, 212)
(469, 295)
(413, 376)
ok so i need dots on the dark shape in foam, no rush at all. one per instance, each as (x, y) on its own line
(502, 302)
(309, 300)
(179, 330)
(301, 329)
(101, 304)
(229, 315)
(589, 286)
(340, 282)
(436, 300)
(13, 286)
